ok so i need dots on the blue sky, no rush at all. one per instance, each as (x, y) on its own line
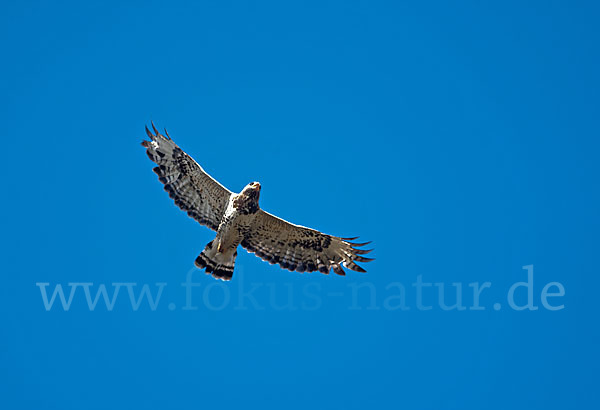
(462, 139)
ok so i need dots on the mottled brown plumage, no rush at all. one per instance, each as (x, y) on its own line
(238, 220)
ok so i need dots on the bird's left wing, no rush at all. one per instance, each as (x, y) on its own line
(192, 189)
(295, 247)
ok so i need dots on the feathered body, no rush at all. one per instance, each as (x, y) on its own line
(238, 219)
(219, 255)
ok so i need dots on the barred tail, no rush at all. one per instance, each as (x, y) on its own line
(219, 265)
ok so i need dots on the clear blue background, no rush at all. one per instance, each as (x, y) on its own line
(461, 137)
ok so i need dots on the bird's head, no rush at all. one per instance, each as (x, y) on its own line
(247, 201)
(252, 187)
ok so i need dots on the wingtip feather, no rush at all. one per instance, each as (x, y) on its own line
(359, 244)
(338, 269)
(154, 128)
(361, 251)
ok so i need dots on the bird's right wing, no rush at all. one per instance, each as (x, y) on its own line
(192, 189)
(302, 249)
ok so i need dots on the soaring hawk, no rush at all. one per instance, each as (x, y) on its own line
(238, 219)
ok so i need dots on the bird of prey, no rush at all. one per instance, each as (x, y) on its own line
(239, 220)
